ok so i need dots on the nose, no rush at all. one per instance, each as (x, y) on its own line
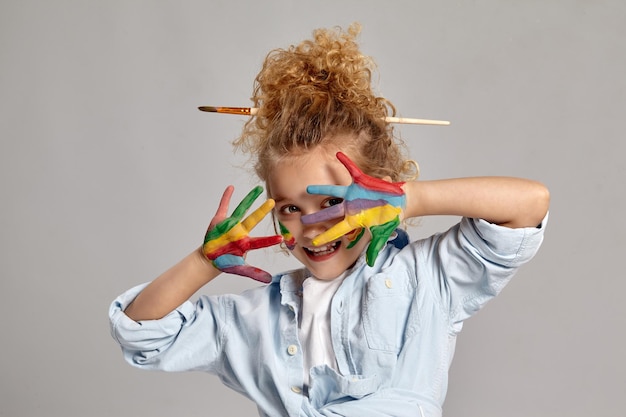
(309, 231)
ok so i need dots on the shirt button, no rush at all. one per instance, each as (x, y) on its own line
(388, 283)
(297, 390)
(292, 350)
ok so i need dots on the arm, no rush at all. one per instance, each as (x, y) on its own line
(225, 245)
(378, 205)
(172, 288)
(510, 202)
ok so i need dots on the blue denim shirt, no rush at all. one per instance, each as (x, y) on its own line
(393, 326)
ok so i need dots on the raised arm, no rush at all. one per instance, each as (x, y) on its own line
(506, 201)
(172, 288)
(379, 205)
(225, 245)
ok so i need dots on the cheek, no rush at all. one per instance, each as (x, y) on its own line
(288, 238)
(357, 240)
(354, 236)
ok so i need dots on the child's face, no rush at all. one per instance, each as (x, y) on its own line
(288, 182)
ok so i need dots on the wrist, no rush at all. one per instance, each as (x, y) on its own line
(204, 265)
(411, 207)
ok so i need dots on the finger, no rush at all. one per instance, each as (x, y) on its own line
(264, 242)
(375, 215)
(333, 233)
(228, 261)
(371, 183)
(230, 222)
(236, 265)
(220, 223)
(380, 235)
(354, 170)
(329, 213)
(222, 210)
(250, 271)
(334, 190)
(246, 203)
(237, 245)
(363, 204)
(257, 215)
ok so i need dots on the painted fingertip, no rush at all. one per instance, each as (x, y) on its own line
(256, 191)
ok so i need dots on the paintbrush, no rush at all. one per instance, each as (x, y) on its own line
(251, 111)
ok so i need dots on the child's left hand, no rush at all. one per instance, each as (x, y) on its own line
(369, 202)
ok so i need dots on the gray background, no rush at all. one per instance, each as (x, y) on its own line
(109, 175)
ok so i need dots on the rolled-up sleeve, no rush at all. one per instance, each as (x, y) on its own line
(472, 262)
(150, 344)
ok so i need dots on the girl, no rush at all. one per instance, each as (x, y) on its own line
(367, 326)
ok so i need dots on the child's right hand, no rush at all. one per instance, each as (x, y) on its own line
(227, 239)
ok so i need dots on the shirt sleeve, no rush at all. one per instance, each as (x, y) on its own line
(473, 261)
(172, 343)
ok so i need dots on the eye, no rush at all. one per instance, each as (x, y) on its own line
(289, 209)
(333, 201)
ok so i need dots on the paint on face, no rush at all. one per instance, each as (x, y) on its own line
(288, 238)
(288, 181)
(354, 236)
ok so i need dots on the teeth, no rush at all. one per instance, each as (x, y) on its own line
(323, 249)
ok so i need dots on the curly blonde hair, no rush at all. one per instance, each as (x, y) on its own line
(311, 94)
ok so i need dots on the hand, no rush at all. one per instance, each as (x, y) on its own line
(369, 203)
(227, 239)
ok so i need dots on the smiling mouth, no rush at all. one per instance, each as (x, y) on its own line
(322, 252)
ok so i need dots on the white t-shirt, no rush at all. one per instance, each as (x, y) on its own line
(314, 329)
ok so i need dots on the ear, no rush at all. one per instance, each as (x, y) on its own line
(386, 178)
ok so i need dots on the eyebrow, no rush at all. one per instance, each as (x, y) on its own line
(278, 201)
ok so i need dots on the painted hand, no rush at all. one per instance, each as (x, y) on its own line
(227, 240)
(368, 203)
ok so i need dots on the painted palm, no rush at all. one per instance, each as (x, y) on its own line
(368, 203)
(226, 244)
